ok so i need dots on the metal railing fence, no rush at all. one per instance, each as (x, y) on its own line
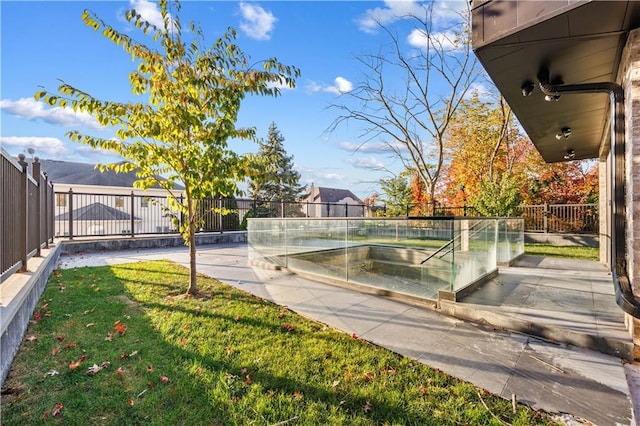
(100, 214)
(27, 213)
(561, 218)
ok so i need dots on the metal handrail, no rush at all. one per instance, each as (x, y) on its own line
(453, 240)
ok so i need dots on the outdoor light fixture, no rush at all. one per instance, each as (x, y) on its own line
(565, 132)
(527, 88)
(570, 155)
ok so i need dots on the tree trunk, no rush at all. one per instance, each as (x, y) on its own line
(193, 284)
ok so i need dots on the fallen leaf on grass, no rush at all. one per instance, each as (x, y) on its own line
(70, 345)
(131, 402)
(54, 351)
(368, 376)
(335, 383)
(57, 409)
(51, 373)
(31, 338)
(60, 338)
(288, 327)
(109, 337)
(93, 370)
(367, 407)
(149, 368)
(37, 316)
(164, 379)
(105, 364)
(298, 395)
(61, 287)
(74, 364)
(90, 325)
(354, 336)
(120, 328)
(120, 371)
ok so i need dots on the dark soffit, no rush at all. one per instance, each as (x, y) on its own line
(576, 41)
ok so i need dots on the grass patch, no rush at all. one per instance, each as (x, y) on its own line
(120, 345)
(586, 253)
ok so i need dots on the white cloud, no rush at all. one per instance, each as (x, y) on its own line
(368, 163)
(442, 41)
(282, 85)
(341, 85)
(320, 177)
(41, 145)
(394, 10)
(371, 147)
(313, 87)
(257, 23)
(31, 109)
(484, 92)
(149, 11)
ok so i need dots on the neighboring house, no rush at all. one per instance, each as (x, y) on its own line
(332, 202)
(570, 70)
(104, 203)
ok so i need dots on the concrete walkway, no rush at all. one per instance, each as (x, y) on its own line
(585, 386)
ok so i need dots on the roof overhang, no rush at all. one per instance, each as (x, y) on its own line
(575, 42)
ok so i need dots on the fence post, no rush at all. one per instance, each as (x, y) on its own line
(52, 217)
(23, 213)
(346, 209)
(47, 207)
(221, 223)
(545, 215)
(133, 217)
(70, 203)
(35, 170)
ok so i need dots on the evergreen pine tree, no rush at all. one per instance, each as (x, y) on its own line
(280, 182)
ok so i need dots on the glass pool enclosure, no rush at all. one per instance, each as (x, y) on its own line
(426, 258)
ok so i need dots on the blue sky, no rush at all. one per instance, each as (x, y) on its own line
(42, 42)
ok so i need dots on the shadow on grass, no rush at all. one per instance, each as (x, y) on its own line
(206, 381)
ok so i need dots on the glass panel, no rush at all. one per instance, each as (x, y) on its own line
(475, 250)
(266, 241)
(388, 254)
(410, 256)
(317, 246)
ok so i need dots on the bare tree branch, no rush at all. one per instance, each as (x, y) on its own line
(412, 117)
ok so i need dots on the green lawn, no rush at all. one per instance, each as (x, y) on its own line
(586, 253)
(119, 345)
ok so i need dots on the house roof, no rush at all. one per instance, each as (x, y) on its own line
(330, 195)
(97, 211)
(68, 172)
(575, 42)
